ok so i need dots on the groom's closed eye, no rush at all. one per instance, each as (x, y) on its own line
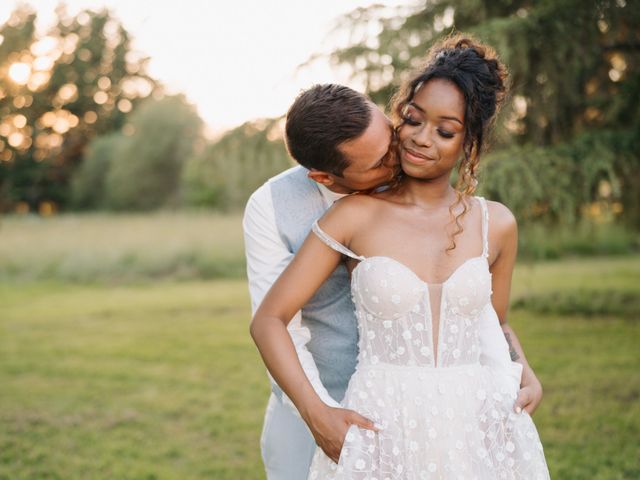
(383, 160)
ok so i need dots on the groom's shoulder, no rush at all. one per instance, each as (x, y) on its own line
(293, 174)
(261, 198)
(292, 180)
(288, 174)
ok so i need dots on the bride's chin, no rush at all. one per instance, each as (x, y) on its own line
(417, 171)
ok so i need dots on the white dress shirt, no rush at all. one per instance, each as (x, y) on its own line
(267, 257)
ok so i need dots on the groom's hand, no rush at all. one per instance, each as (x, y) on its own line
(329, 427)
(529, 396)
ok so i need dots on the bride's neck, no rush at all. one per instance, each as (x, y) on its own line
(431, 193)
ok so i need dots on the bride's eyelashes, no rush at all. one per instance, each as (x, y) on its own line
(415, 123)
(408, 119)
(445, 134)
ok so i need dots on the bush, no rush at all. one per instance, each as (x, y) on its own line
(559, 184)
(228, 171)
(88, 185)
(145, 174)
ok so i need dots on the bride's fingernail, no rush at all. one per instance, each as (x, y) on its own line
(518, 409)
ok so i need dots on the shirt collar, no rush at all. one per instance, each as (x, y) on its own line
(329, 196)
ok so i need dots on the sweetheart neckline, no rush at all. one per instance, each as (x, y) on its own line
(415, 275)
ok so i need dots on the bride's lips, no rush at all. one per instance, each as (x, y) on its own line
(414, 157)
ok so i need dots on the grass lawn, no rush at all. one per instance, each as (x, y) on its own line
(131, 382)
(161, 380)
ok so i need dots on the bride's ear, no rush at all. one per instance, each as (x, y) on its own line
(322, 178)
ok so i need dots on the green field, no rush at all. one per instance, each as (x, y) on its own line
(130, 382)
(160, 380)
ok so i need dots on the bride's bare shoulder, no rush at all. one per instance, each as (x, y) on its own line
(354, 206)
(351, 212)
(500, 217)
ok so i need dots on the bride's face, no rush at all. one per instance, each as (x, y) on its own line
(432, 135)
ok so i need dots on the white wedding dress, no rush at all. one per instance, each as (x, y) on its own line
(443, 416)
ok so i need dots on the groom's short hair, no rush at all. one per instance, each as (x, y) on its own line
(320, 119)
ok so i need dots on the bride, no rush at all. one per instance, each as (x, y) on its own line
(427, 262)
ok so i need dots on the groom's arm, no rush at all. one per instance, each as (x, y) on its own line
(267, 256)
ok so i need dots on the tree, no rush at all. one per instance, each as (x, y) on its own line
(568, 59)
(575, 70)
(228, 171)
(88, 186)
(57, 92)
(148, 158)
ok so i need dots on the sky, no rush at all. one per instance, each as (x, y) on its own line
(236, 60)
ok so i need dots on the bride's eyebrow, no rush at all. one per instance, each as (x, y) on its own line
(451, 118)
(414, 105)
(444, 117)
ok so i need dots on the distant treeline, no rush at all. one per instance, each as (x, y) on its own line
(163, 161)
(83, 127)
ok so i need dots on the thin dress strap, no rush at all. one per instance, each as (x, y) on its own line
(338, 247)
(485, 226)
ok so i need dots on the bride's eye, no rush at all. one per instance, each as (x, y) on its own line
(409, 120)
(445, 134)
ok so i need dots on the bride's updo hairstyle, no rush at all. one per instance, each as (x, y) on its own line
(474, 68)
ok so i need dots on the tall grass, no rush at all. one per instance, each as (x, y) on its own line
(124, 247)
(204, 245)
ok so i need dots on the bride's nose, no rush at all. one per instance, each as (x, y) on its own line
(423, 138)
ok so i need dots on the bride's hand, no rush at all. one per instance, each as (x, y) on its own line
(529, 396)
(329, 427)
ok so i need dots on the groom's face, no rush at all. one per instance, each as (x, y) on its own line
(370, 156)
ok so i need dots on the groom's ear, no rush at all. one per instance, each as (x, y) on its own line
(322, 178)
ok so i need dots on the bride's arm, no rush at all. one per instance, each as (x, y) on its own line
(312, 265)
(504, 230)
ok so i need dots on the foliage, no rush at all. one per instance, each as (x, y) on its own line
(144, 172)
(88, 184)
(139, 168)
(596, 176)
(572, 124)
(57, 92)
(566, 149)
(568, 59)
(228, 171)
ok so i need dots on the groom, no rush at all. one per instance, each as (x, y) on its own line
(342, 142)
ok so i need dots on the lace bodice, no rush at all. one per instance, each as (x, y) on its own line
(403, 320)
